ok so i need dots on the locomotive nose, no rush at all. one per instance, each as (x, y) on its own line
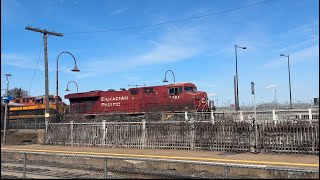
(202, 97)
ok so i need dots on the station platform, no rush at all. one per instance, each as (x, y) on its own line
(271, 159)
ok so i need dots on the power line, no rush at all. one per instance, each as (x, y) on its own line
(34, 72)
(169, 22)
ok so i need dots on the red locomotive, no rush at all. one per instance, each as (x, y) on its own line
(178, 97)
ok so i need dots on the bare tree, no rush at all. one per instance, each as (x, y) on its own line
(18, 92)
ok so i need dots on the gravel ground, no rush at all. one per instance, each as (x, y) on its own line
(21, 137)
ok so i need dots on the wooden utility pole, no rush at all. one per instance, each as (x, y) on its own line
(45, 33)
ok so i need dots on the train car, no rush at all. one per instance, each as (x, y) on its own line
(10, 105)
(35, 107)
(178, 97)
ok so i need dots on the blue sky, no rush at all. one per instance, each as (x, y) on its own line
(200, 50)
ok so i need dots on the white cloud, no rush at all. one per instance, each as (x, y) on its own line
(175, 44)
(118, 11)
(211, 95)
(306, 54)
(271, 86)
(18, 60)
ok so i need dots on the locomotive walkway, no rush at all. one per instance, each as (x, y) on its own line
(292, 160)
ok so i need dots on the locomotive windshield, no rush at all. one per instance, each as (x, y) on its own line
(190, 89)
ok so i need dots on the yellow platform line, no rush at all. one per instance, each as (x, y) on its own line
(166, 157)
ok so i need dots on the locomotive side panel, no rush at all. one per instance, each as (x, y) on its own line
(115, 101)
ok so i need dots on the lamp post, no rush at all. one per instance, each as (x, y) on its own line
(165, 77)
(6, 109)
(75, 69)
(237, 91)
(68, 85)
(275, 98)
(289, 78)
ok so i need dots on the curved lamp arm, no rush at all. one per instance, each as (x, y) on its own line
(165, 77)
(68, 85)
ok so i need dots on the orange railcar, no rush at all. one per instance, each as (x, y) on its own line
(35, 107)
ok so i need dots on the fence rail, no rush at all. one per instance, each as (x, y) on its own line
(36, 165)
(311, 114)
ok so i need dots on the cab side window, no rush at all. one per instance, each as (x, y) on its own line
(134, 92)
(175, 90)
(148, 90)
(39, 101)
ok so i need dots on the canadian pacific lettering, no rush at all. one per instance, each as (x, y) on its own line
(108, 101)
(118, 98)
(110, 104)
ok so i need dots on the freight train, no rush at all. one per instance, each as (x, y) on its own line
(177, 97)
(34, 107)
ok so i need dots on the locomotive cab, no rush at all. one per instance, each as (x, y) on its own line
(200, 98)
(188, 95)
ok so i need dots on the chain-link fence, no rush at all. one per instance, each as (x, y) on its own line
(47, 165)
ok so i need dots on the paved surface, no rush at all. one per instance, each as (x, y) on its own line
(292, 160)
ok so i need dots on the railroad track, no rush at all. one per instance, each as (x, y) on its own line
(53, 170)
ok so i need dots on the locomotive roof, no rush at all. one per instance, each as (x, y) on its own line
(36, 97)
(12, 104)
(168, 85)
(96, 93)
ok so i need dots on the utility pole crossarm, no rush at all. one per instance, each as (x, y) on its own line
(43, 31)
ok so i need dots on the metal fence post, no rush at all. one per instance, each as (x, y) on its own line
(192, 144)
(310, 114)
(226, 172)
(143, 136)
(256, 136)
(24, 165)
(106, 168)
(186, 115)
(71, 130)
(241, 116)
(35, 123)
(252, 137)
(46, 124)
(274, 116)
(212, 117)
(104, 132)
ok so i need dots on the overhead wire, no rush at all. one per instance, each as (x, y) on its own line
(34, 72)
(169, 22)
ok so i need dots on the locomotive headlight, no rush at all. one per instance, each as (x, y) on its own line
(203, 100)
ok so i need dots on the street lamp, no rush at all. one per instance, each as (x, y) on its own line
(289, 78)
(68, 85)
(6, 109)
(165, 77)
(236, 84)
(75, 69)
